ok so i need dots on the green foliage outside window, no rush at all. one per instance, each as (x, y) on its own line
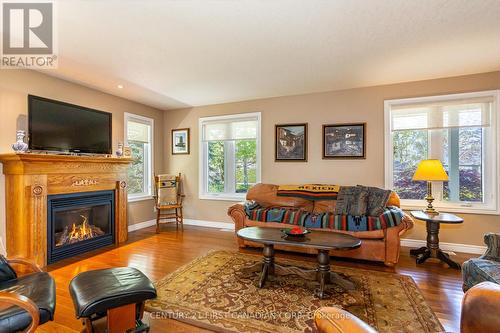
(216, 166)
(245, 168)
(136, 170)
(246, 163)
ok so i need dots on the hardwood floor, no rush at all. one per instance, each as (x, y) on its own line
(159, 254)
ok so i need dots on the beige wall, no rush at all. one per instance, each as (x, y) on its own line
(354, 105)
(15, 85)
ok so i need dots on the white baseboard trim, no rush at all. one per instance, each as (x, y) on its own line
(198, 223)
(453, 247)
(141, 225)
(209, 224)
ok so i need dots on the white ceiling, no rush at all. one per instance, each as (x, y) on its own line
(172, 54)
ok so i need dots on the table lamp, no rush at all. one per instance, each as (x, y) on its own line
(430, 171)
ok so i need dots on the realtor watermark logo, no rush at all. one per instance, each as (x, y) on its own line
(28, 38)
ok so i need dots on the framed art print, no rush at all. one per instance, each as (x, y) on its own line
(346, 141)
(180, 141)
(290, 142)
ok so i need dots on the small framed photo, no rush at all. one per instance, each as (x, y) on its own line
(290, 142)
(180, 141)
(347, 141)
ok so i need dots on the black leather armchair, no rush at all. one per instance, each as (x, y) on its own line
(25, 301)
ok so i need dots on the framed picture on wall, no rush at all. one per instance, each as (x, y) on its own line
(180, 141)
(347, 141)
(290, 142)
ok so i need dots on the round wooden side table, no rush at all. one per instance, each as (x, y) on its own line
(432, 249)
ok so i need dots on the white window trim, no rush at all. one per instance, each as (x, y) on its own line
(202, 176)
(491, 169)
(151, 121)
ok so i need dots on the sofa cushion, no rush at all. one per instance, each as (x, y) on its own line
(266, 196)
(391, 217)
(352, 200)
(324, 206)
(377, 200)
(374, 234)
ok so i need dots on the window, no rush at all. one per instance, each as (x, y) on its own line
(229, 155)
(139, 137)
(461, 131)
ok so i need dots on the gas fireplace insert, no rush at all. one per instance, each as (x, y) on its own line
(79, 222)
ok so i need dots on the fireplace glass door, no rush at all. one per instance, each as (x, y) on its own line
(79, 223)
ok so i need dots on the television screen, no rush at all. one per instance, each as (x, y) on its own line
(58, 126)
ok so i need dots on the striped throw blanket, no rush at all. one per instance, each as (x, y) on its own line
(309, 191)
(392, 216)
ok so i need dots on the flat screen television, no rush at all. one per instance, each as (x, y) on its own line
(59, 126)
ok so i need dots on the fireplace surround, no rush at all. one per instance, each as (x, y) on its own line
(31, 180)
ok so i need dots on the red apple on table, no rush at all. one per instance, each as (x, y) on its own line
(296, 231)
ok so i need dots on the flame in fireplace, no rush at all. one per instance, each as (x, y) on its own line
(81, 231)
(78, 232)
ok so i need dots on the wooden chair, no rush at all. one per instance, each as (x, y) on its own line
(168, 200)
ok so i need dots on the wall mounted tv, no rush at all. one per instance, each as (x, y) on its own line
(58, 126)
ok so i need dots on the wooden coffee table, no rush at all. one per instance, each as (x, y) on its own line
(322, 241)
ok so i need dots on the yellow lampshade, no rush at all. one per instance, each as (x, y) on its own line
(430, 170)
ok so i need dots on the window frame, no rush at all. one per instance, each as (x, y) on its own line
(491, 161)
(147, 195)
(228, 154)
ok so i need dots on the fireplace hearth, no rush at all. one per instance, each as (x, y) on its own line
(78, 223)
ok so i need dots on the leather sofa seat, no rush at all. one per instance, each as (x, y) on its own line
(95, 292)
(38, 287)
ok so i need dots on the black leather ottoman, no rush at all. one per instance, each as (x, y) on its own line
(118, 293)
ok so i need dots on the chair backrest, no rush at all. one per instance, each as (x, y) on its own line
(6, 271)
(167, 189)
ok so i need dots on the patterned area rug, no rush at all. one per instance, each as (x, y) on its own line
(213, 292)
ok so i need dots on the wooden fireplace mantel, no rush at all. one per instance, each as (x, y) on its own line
(30, 178)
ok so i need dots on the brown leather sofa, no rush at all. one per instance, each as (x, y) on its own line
(480, 309)
(377, 245)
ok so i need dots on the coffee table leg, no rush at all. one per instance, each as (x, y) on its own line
(325, 276)
(323, 271)
(267, 264)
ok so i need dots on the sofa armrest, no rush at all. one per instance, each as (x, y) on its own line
(336, 320)
(406, 224)
(492, 240)
(237, 213)
(26, 304)
(480, 307)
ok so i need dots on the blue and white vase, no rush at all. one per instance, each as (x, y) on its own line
(20, 146)
(119, 151)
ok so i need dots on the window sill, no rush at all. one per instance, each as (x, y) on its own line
(222, 197)
(458, 210)
(140, 198)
